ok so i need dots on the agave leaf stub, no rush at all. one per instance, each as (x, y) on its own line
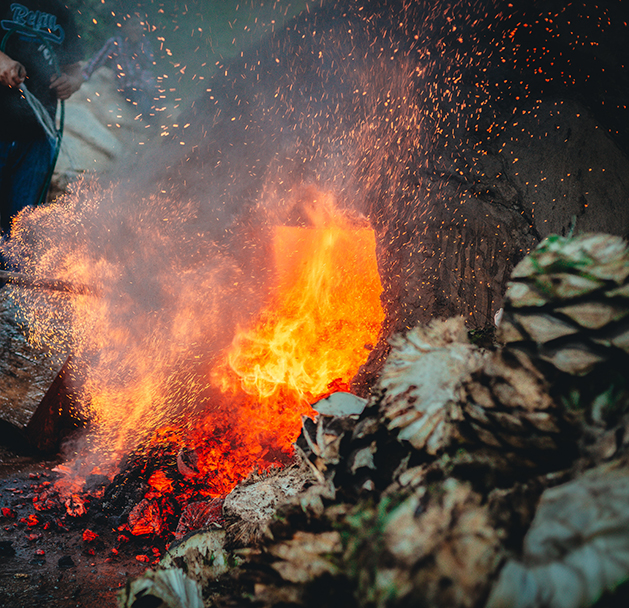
(594, 315)
(564, 286)
(577, 546)
(522, 295)
(544, 328)
(574, 360)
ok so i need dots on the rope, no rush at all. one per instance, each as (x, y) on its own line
(44, 119)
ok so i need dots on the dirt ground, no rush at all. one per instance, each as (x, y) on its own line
(55, 567)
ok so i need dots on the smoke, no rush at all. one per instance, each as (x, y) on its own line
(341, 100)
(166, 298)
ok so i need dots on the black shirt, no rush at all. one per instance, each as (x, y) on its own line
(42, 36)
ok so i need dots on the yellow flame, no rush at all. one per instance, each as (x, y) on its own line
(324, 314)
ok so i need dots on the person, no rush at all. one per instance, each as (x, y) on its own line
(131, 57)
(39, 64)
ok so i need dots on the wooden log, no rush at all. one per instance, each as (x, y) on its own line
(59, 413)
(23, 280)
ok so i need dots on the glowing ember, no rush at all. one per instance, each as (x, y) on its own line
(160, 482)
(146, 518)
(76, 505)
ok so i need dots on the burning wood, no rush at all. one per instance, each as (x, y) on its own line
(20, 279)
(146, 518)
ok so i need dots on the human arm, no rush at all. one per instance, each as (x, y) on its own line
(68, 82)
(104, 56)
(12, 73)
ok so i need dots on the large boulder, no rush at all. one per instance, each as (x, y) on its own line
(101, 131)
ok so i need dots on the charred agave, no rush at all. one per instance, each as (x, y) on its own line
(560, 378)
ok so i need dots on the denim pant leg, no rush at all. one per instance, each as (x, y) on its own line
(24, 168)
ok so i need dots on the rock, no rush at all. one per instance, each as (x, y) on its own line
(564, 166)
(66, 562)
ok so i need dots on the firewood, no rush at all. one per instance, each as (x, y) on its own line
(58, 414)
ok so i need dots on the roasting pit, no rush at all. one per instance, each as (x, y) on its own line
(421, 132)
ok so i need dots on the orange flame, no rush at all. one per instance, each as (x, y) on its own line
(323, 316)
(325, 312)
(156, 358)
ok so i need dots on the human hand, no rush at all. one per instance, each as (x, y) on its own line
(12, 73)
(62, 85)
(68, 82)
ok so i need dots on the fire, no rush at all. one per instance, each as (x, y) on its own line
(187, 369)
(325, 312)
(313, 334)
(321, 319)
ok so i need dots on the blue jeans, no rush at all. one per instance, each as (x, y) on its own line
(24, 168)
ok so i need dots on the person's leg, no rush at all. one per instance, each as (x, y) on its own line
(5, 186)
(31, 164)
(24, 171)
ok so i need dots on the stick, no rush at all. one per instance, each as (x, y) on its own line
(24, 280)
